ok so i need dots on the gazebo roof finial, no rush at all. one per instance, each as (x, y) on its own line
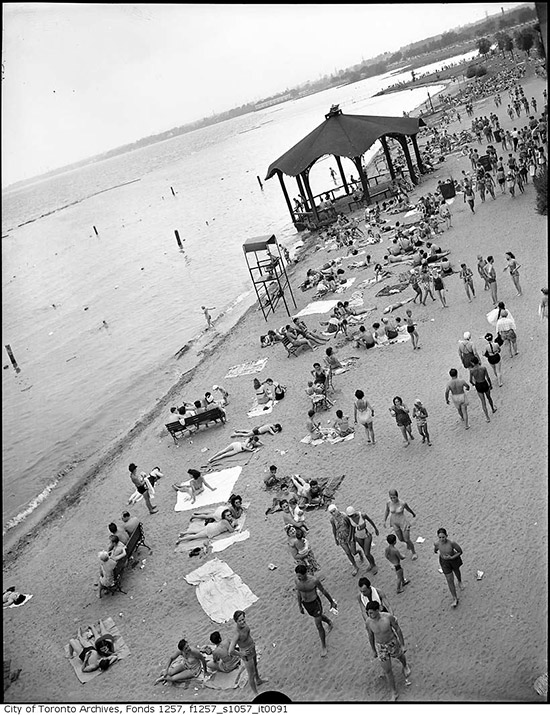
(334, 111)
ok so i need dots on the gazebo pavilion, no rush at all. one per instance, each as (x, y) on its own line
(345, 135)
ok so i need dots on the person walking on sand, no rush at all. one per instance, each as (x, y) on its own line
(513, 267)
(455, 388)
(333, 175)
(368, 593)
(481, 269)
(469, 196)
(401, 413)
(395, 557)
(492, 278)
(479, 378)
(363, 413)
(207, 315)
(306, 587)
(246, 650)
(466, 350)
(387, 642)
(468, 279)
(411, 329)
(439, 287)
(450, 562)
(140, 483)
(492, 353)
(399, 522)
(506, 328)
(363, 537)
(420, 413)
(344, 534)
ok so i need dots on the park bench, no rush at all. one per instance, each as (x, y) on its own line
(136, 540)
(194, 421)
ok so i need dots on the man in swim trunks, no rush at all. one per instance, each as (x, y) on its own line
(221, 660)
(246, 650)
(368, 593)
(387, 642)
(456, 388)
(308, 598)
(450, 562)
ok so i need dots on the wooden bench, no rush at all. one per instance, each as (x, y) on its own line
(177, 428)
(136, 540)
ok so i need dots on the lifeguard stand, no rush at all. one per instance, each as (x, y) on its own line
(268, 273)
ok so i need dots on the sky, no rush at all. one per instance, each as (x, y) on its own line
(82, 78)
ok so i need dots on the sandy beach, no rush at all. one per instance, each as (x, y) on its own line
(486, 486)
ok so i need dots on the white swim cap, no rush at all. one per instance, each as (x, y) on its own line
(215, 387)
(332, 507)
(351, 510)
(467, 335)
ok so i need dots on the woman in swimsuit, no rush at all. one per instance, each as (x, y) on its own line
(194, 486)
(513, 266)
(492, 353)
(235, 507)
(363, 537)
(235, 447)
(264, 429)
(401, 413)
(300, 548)
(261, 392)
(363, 413)
(210, 530)
(395, 509)
(479, 378)
(439, 287)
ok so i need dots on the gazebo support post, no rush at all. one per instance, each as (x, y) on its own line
(403, 141)
(302, 192)
(310, 195)
(285, 194)
(364, 181)
(387, 154)
(417, 154)
(340, 168)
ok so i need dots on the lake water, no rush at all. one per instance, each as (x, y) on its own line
(83, 385)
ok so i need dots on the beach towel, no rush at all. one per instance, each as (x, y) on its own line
(237, 678)
(247, 368)
(27, 598)
(390, 290)
(328, 438)
(221, 543)
(222, 482)
(398, 339)
(121, 649)
(220, 591)
(330, 487)
(257, 410)
(319, 306)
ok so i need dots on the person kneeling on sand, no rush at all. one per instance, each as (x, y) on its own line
(221, 660)
(387, 642)
(184, 665)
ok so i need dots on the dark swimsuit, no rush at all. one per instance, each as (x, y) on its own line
(314, 608)
(84, 652)
(482, 386)
(410, 328)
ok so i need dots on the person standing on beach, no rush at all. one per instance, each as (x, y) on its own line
(306, 590)
(492, 278)
(469, 196)
(468, 278)
(140, 483)
(479, 378)
(455, 388)
(481, 269)
(207, 315)
(506, 328)
(450, 562)
(387, 642)
(363, 413)
(513, 267)
(246, 650)
(420, 413)
(401, 413)
(363, 537)
(368, 593)
(411, 329)
(344, 534)
(492, 353)
(395, 557)
(399, 522)
(439, 287)
(333, 175)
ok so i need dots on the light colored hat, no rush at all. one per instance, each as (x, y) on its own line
(215, 387)
(412, 270)
(332, 507)
(351, 510)
(467, 335)
(103, 555)
(418, 402)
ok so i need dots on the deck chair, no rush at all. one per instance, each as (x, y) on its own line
(290, 348)
(321, 401)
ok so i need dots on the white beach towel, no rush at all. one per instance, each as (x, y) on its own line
(222, 544)
(28, 597)
(349, 282)
(492, 316)
(247, 368)
(398, 339)
(259, 410)
(220, 591)
(319, 306)
(223, 483)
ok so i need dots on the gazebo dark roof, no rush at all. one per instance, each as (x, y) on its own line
(348, 135)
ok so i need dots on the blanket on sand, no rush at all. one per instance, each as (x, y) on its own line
(220, 591)
(222, 482)
(247, 368)
(319, 306)
(121, 649)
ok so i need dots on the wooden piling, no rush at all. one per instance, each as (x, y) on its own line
(12, 359)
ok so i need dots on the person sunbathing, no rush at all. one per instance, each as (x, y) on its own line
(13, 597)
(235, 507)
(302, 329)
(264, 429)
(215, 528)
(250, 445)
(95, 648)
(187, 663)
(194, 486)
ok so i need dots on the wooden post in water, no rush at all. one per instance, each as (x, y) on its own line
(12, 359)
(173, 192)
(95, 231)
(178, 239)
(260, 182)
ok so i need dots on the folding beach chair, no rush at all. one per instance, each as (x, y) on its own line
(321, 401)
(290, 348)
